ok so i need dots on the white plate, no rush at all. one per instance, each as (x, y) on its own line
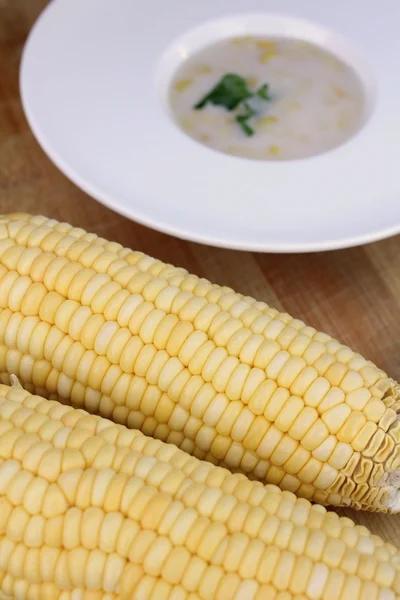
(94, 78)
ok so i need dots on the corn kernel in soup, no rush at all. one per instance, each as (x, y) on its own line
(315, 101)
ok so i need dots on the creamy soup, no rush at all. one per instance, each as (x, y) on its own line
(296, 100)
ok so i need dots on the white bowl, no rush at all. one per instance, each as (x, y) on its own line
(94, 81)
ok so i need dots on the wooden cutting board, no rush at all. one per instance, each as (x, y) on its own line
(351, 294)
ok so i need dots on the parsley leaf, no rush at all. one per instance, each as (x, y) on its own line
(263, 93)
(229, 92)
(232, 91)
(243, 118)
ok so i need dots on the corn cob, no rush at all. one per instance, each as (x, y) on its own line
(91, 510)
(223, 377)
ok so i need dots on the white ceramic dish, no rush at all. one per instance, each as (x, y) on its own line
(94, 81)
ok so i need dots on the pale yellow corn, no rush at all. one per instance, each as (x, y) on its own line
(91, 510)
(220, 375)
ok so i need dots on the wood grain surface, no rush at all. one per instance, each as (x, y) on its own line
(351, 294)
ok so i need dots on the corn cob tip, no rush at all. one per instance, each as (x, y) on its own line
(393, 482)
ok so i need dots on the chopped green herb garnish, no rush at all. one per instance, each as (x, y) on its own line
(229, 92)
(232, 91)
(243, 118)
(263, 93)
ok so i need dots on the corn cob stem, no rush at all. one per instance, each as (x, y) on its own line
(92, 510)
(223, 377)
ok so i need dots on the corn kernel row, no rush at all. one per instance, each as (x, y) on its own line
(222, 376)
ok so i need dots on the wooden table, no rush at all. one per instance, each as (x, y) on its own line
(352, 294)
